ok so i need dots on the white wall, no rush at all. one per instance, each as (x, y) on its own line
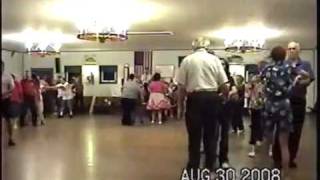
(168, 58)
(309, 55)
(13, 62)
(77, 59)
(118, 58)
(32, 61)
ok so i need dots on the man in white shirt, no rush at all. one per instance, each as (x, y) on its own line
(200, 77)
(65, 91)
(60, 89)
(7, 86)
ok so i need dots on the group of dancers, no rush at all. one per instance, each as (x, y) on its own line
(36, 95)
(153, 99)
(276, 95)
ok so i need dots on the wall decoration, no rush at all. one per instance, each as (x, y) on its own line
(142, 62)
(108, 74)
(90, 60)
(166, 71)
(90, 79)
(89, 73)
(126, 72)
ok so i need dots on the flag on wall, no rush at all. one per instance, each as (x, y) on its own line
(142, 62)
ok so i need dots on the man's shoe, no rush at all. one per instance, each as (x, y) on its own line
(277, 165)
(225, 165)
(11, 143)
(252, 154)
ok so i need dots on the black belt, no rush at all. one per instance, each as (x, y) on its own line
(203, 91)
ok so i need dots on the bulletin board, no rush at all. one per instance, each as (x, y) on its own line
(166, 71)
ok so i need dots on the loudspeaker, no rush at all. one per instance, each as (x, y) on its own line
(57, 61)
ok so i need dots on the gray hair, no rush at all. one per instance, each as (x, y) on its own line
(201, 42)
(296, 44)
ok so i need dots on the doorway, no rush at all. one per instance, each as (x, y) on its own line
(72, 71)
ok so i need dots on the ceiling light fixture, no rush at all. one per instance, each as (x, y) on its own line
(102, 34)
(102, 26)
(250, 38)
(243, 45)
(42, 42)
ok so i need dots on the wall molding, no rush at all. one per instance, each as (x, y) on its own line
(3, 49)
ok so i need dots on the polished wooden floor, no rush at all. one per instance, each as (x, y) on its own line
(99, 148)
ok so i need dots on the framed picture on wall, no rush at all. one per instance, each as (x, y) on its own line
(166, 71)
(108, 74)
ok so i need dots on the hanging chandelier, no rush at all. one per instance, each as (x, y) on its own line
(243, 45)
(42, 42)
(101, 32)
(42, 49)
(247, 38)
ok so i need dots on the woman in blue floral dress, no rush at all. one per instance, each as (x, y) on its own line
(278, 82)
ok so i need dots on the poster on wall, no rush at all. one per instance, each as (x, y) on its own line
(166, 71)
(90, 79)
(237, 69)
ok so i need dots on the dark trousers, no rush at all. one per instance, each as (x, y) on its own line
(298, 106)
(49, 102)
(224, 124)
(59, 103)
(29, 103)
(128, 106)
(202, 120)
(256, 126)
(236, 115)
(78, 102)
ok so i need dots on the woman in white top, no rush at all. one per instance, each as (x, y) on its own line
(67, 96)
(43, 85)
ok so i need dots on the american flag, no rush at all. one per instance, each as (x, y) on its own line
(142, 62)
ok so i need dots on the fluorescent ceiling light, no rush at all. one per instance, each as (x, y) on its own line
(30, 35)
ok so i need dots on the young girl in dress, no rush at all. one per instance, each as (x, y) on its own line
(256, 103)
(157, 102)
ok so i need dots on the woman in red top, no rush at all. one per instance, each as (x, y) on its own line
(16, 98)
(29, 100)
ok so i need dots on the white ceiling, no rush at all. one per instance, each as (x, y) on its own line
(186, 18)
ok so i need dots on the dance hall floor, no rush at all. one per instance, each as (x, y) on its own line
(99, 148)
